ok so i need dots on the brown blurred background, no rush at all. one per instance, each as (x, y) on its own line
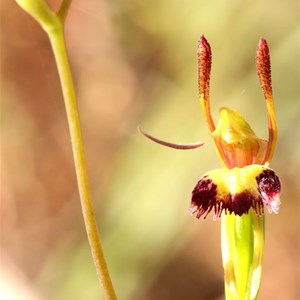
(135, 62)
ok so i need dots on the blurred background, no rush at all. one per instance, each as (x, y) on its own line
(135, 62)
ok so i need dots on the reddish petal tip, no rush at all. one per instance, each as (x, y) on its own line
(202, 39)
(203, 44)
(204, 66)
(262, 40)
(263, 66)
(263, 47)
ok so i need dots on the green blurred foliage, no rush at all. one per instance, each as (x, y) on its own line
(135, 62)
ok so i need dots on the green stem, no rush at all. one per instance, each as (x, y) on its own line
(63, 10)
(57, 42)
(242, 253)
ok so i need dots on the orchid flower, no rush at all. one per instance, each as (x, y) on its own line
(239, 192)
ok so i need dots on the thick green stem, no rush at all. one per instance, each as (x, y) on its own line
(58, 46)
(242, 252)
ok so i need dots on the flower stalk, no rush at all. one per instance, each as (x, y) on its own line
(242, 253)
(53, 24)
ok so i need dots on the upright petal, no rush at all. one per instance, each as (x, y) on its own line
(204, 68)
(263, 66)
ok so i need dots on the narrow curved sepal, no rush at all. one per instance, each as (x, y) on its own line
(171, 145)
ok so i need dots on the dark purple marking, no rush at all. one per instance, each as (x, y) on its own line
(268, 183)
(269, 187)
(204, 197)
